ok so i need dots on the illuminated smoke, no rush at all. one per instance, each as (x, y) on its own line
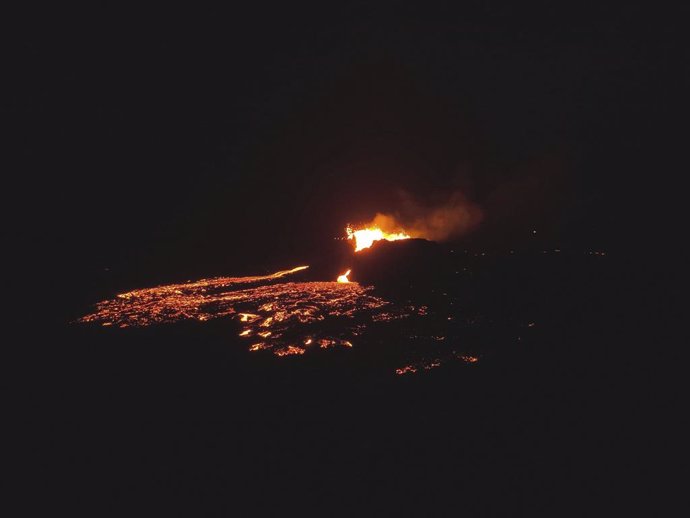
(450, 219)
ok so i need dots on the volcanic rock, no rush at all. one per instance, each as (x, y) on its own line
(404, 264)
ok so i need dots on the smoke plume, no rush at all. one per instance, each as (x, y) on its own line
(446, 220)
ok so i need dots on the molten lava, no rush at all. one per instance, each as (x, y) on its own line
(343, 277)
(289, 318)
(365, 237)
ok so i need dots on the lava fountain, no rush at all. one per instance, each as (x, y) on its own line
(365, 237)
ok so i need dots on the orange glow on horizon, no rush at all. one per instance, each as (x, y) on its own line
(343, 277)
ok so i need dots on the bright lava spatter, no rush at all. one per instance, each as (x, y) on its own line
(343, 277)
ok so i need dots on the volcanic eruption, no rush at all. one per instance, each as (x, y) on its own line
(365, 237)
(290, 313)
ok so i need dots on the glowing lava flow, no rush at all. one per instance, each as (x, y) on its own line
(289, 319)
(286, 318)
(365, 237)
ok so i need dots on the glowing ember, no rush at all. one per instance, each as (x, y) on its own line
(343, 277)
(426, 365)
(365, 237)
(289, 350)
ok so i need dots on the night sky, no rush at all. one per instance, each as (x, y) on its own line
(167, 149)
(149, 148)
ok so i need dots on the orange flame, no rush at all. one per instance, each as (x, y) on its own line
(343, 277)
(365, 237)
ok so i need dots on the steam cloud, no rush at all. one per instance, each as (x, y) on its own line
(450, 219)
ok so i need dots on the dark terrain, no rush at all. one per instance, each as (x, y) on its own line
(182, 418)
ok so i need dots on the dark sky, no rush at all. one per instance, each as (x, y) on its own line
(186, 145)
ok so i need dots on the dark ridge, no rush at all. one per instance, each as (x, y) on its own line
(404, 264)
